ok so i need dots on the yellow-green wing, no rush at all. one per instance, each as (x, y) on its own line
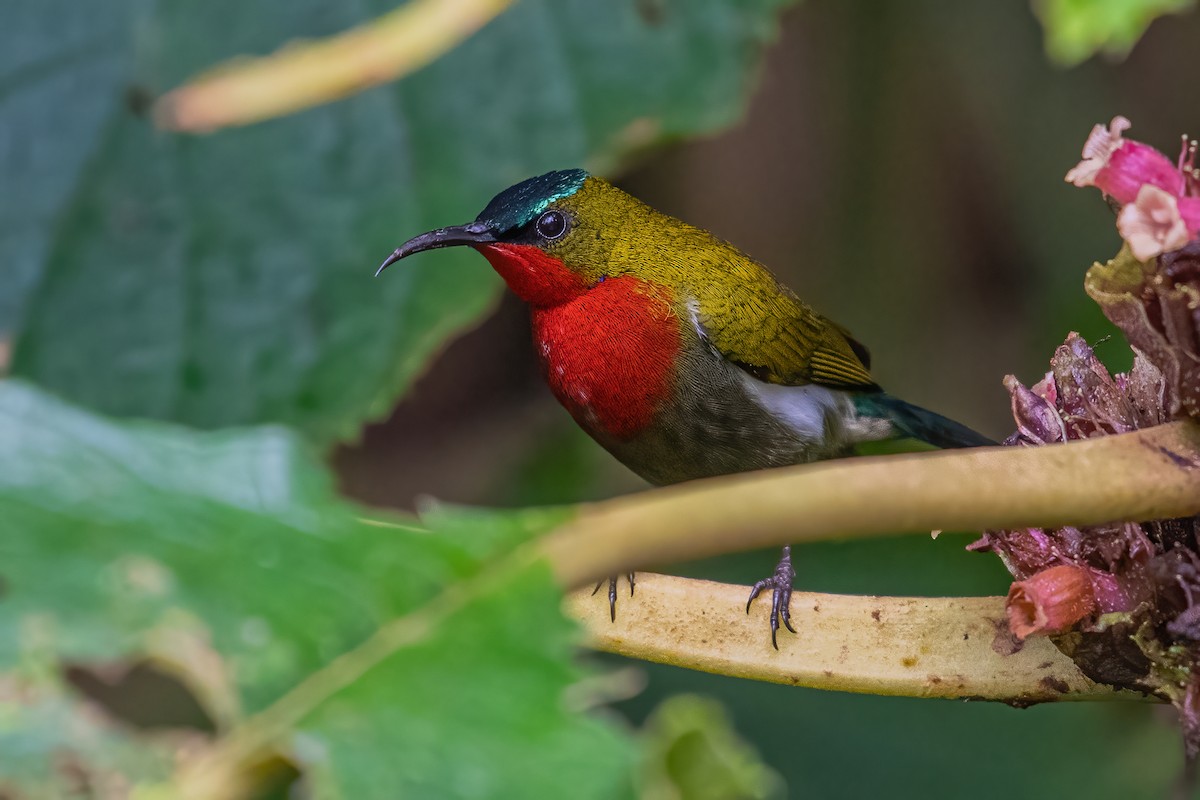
(765, 329)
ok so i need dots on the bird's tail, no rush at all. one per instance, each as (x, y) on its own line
(919, 423)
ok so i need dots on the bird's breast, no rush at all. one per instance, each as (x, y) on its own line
(609, 355)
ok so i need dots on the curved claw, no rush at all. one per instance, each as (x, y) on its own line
(781, 595)
(612, 593)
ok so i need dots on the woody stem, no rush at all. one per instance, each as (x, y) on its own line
(906, 646)
(1148, 474)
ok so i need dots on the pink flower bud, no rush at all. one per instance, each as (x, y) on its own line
(1051, 601)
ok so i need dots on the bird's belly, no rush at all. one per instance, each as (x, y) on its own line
(713, 426)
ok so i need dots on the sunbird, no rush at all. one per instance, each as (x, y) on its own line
(682, 356)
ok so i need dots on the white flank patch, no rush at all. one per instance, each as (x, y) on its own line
(818, 415)
(814, 412)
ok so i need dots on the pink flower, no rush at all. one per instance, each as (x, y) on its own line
(1051, 601)
(1161, 212)
(1151, 224)
(1097, 150)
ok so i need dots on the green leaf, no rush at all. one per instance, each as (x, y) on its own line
(227, 279)
(1078, 29)
(490, 678)
(430, 664)
(695, 754)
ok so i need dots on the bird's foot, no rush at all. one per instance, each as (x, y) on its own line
(780, 585)
(612, 593)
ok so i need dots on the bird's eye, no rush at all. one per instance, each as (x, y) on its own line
(552, 225)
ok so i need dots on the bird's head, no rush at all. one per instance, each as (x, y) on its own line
(552, 238)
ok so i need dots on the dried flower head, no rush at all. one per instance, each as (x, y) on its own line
(1157, 305)
(1123, 599)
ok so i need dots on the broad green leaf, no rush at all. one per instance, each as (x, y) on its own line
(490, 678)
(227, 558)
(227, 279)
(1078, 29)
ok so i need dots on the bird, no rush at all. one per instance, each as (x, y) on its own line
(679, 354)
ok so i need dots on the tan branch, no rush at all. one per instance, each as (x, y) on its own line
(303, 75)
(1149, 474)
(910, 646)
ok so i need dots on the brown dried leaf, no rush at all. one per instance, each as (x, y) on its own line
(1157, 305)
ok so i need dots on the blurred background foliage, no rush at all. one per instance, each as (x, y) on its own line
(235, 291)
(899, 165)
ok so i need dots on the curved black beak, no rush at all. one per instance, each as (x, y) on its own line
(473, 233)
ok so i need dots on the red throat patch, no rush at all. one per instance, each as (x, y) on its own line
(536, 277)
(609, 354)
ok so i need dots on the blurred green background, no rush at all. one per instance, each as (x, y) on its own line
(898, 164)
